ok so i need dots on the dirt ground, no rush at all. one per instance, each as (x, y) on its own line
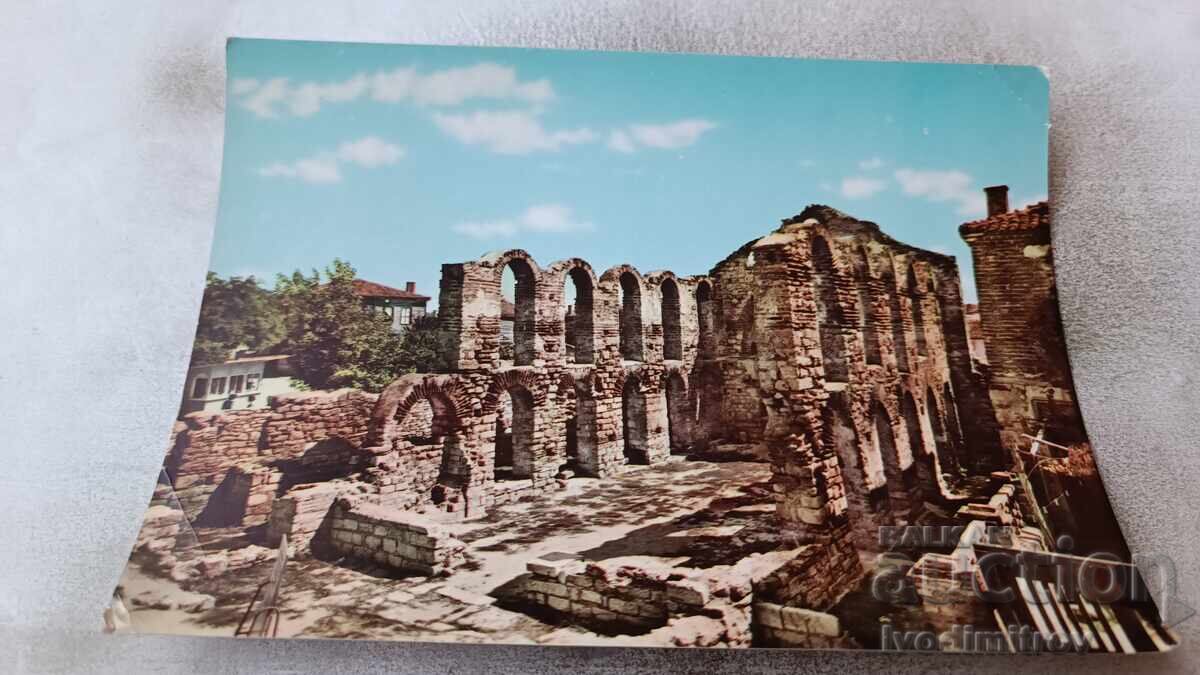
(694, 513)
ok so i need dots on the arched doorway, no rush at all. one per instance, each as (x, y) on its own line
(884, 440)
(705, 320)
(867, 509)
(514, 451)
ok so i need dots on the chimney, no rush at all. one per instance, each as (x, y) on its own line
(411, 286)
(997, 199)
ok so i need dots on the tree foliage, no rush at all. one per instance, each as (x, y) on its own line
(235, 313)
(333, 340)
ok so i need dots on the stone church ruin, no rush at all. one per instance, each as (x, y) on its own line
(827, 358)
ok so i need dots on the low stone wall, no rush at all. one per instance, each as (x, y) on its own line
(667, 605)
(397, 539)
(781, 626)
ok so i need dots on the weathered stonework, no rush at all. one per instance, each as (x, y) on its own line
(397, 539)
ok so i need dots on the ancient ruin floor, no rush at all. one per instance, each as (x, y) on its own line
(696, 513)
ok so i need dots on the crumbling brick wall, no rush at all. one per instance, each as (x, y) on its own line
(242, 451)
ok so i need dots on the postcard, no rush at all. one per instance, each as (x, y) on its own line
(581, 348)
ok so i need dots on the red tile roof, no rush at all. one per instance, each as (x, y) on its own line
(370, 289)
(1029, 218)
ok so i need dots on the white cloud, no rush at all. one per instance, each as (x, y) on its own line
(370, 152)
(944, 186)
(448, 87)
(670, 136)
(859, 187)
(539, 218)
(509, 132)
(243, 85)
(325, 167)
(621, 142)
(870, 164)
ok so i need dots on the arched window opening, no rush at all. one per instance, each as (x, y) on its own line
(672, 325)
(896, 318)
(518, 316)
(749, 346)
(514, 435)
(866, 310)
(830, 321)
(918, 312)
(705, 319)
(578, 322)
(633, 418)
(632, 345)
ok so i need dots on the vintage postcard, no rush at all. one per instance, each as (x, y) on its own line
(580, 348)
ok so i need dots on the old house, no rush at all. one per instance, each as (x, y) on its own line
(403, 307)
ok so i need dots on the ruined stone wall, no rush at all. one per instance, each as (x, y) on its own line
(589, 407)
(829, 306)
(245, 453)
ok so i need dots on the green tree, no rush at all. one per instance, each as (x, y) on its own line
(235, 313)
(335, 342)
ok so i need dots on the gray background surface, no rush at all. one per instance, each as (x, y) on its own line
(110, 148)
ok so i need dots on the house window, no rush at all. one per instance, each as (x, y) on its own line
(199, 387)
(235, 384)
(405, 315)
(218, 386)
(252, 382)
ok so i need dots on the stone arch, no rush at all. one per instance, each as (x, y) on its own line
(680, 418)
(444, 393)
(629, 286)
(633, 421)
(866, 308)
(514, 448)
(866, 509)
(672, 321)
(830, 319)
(579, 319)
(705, 320)
(526, 273)
(916, 297)
(896, 319)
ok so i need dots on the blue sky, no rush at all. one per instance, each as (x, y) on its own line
(400, 158)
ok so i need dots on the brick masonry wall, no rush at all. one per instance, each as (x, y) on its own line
(1018, 309)
(237, 451)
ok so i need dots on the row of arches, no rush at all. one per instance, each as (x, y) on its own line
(891, 464)
(523, 284)
(513, 437)
(833, 320)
